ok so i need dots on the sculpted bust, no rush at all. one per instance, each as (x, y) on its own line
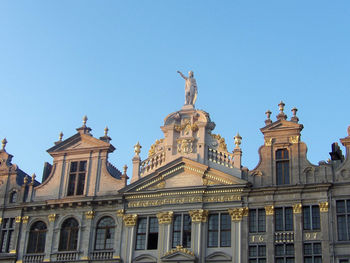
(190, 88)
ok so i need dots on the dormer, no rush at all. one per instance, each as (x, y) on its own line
(80, 168)
(283, 155)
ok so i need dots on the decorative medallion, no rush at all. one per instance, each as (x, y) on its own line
(185, 145)
(179, 249)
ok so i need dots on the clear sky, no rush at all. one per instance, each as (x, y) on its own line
(116, 62)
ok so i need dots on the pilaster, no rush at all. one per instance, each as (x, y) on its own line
(199, 219)
(236, 221)
(270, 228)
(164, 221)
(130, 221)
(324, 222)
(86, 235)
(50, 237)
(298, 232)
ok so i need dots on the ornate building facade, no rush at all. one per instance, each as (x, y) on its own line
(191, 200)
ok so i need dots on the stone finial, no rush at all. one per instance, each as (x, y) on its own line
(294, 117)
(25, 180)
(33, 178)
(85, 118)
(281, 115)
(238, 140)
(137, 148)
(106, 131)
(60, 136)
(268, 120)
(125, 168)
(4, 142)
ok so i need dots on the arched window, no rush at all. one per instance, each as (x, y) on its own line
(13, 197)
(37, 235)
(104, 234)
(69, 235)
(282, 167)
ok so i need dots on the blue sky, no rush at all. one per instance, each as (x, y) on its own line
(116, 62)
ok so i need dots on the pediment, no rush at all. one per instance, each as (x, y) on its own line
(218, 257)
(145, 258)
(80, 142)
(282, 125)
(179, 255)
(183, 173)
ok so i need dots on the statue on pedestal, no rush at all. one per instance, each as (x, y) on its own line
(190, 88)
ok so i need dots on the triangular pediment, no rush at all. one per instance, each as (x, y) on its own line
(282, 125)
(179, 255)
(80, 142)
(183, 173)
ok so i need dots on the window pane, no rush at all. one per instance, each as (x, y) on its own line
(186, 238)
(261, 220)
(213, 222)
(71, 184)
(342, 235)
(315, 217)
(341, 206)
(82, 166)
(289, 249)
(225, 238)
(252, 220)
(262, 251)
(279, 250)
(73, 166)
(279, 219)
(81, 182)
(317, 249)
(306, 218)
(153, 233)
(307, 249)
(252, 251)
(289, 218)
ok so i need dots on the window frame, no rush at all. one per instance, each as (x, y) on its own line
(147, 233)
(105, 230)
(312, 224)
(13, 197)
(79, 177)
(34, 235)
(284, 255)
(313, 255)
(183, 232)
(7, 229)
(257, 220)
(219, 230)
(345, 228)
(284, 219)
(283, 166)
(257, 257)
(72, 231)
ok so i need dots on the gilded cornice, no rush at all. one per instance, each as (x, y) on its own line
(165, 217)
(199, 215)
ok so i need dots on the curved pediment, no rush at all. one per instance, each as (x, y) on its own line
(145, 258)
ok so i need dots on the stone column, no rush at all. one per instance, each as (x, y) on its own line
(245, 235)
(118, 237)
(86, 235)
(324, 218)
(164, 220)
(21, 250)
(298, 232)
(50, 237)
(130, 221)
(198, 232)
(270, 238)
(236, 235)
(17, 227)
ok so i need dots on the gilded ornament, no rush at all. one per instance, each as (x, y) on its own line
(245, 211)
(25, 219)
(52, 217)
(294, 139)
(120, 212)
(90, 214)
(0, 220)
(130, 220)
(222, 144)
(185, 145)
(199, 215)
(269, 209)
(165, 217)
(236, 213)
(268, 141)
(297, 208)
(18, 219)
(155, 147)
(179, 249)
(323, 206)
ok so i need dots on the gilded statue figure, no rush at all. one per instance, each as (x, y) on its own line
(190, 88)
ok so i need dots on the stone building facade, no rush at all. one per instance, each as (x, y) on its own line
(191, 200)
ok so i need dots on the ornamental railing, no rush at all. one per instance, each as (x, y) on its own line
(152, 162)
(67, 256)
(222, 158)
(100, 255)
(33, 258)
(284, 237)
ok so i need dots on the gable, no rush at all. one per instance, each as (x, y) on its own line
(282, 125)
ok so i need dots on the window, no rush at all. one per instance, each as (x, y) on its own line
(69, 235)
(104, 234)
(257, 254)
(284, 253)
(76, 178)
(13, 197)
(6, 234)
(284, 219)
(343, 219)
(147, 233)
(181, 235)
(219, 231)
(282, 167)
(36, 240)
(311, 217)
(312, 253)
(257, 220)
(343, 261)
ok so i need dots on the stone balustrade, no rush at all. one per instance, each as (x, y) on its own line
(67, 256)
(33, 258)
(222, 158)
(151, 163)
(100, 255)
(284, 237)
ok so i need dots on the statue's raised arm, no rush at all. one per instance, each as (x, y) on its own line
(190, 88)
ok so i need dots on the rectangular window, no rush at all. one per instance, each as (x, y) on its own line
(147, 233)
(181, 234)
(257, 254)
(282, 167)
(343, 219)
(311, 217)
(284, 253)
(312, 253)
(257, 220)
(219, 232)
(7, 228)
(76, 180)
(284, 219)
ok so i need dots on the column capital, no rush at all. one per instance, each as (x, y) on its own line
(90, 214)
(52, 217)
(238, 213)
(323, 206)
(270, 210)
(297, 208)
(165, 217)
(199, 215)
(130, 220)
(120, 212)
